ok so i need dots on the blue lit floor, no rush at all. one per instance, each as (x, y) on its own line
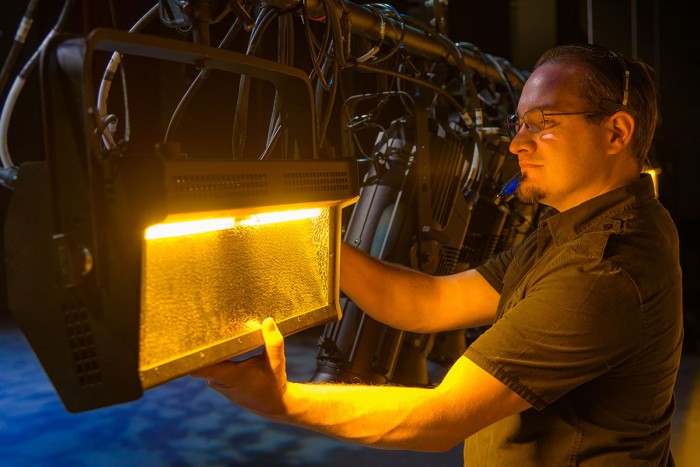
(183, 423)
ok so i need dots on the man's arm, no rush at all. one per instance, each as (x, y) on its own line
(410, 300)
(467, 400)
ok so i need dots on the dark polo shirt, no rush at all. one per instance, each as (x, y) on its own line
(589, 332)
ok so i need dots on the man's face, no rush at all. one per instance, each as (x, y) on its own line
(567, 162)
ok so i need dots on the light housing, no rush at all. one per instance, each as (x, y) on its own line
(111, 313)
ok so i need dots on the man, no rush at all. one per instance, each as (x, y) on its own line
(580, 363)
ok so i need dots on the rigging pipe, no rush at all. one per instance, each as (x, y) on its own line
(364, 22)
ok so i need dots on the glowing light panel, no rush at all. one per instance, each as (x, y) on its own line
(202, 289)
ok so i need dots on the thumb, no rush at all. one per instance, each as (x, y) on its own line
(274, 347)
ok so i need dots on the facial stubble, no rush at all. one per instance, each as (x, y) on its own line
(528, 193)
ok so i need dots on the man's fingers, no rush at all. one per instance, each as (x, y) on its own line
(274, 347)
(217, 371)
(274, 350)
(274, 342)
(257, 383)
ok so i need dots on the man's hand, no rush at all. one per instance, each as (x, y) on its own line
(258, 383)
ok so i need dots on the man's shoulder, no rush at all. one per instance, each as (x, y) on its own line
(642, 242)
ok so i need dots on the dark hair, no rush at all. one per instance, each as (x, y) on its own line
(604, 79)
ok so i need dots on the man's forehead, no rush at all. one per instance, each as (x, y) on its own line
(550, 85)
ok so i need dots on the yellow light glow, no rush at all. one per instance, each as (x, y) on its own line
(179, 229)
(281, 216)
(655, 178)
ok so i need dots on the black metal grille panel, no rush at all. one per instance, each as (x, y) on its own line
(478, 248)
(304, 182)
(87, 365)
(448, 260)
(220, 185)
(445, 180)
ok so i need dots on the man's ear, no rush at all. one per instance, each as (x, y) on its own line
(621, 125)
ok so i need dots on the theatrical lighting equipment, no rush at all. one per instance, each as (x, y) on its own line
(129, 270)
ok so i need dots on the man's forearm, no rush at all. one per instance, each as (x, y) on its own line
(410, 300)
(380, 416)
(379, 288)
(392, 417)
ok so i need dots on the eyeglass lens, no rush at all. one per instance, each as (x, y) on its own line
(532, 119)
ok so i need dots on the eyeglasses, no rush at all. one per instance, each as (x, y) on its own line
(535, 120)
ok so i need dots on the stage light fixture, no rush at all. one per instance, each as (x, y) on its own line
(127, 271)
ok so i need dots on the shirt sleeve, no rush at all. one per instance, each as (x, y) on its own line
(574, 322)
(494, 270)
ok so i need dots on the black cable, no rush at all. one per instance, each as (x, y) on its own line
(340, 25)
(501, 72)
(122, 74)
(285, 55)
(59, 26)
(20, 80)
(187, 97)
(472, 126)
(240, 121)
(108, 77)
(451, 100)
(282, 57)
(313, 42)
(20, 36)
(331, 101)
(388, 15)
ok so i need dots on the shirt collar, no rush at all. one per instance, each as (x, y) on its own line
(597, 213)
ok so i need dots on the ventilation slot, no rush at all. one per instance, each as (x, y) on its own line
(478, 248)
(87, 366)
(448, 260)
(306, 182)
(219, 186)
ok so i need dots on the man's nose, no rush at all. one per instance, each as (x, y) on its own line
(522, 142)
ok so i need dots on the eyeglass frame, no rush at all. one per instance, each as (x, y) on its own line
(513, 122)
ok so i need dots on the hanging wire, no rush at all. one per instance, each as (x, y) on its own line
(186, 99)
(475, 125)
(108, 76)
(340, 28)
(285, 55)
(330, 62)
(240, 122)
(387, 15)
(313, 42)
(20, 36)
(514, 95)
(20, 80)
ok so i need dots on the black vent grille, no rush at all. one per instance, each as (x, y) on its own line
(307, 182)
(448, 260)
(478, 248)
(220, 185)
(87, 366)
